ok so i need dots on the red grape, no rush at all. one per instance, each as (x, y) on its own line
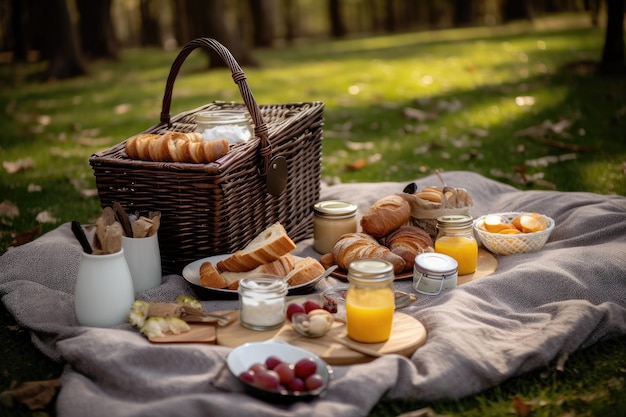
(247, 376)
(272, 361)
(294, 308)
(257, 367)
(267, 380)
(305, 367)
(296, 385)
(313, 382)
(311, 305)
(285, 372)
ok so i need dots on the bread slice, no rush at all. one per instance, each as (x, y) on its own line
(306, 269)
(209, 277)
(266, 247)
(278, 268)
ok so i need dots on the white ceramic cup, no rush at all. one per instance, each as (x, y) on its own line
(104, 291)
(144, 261)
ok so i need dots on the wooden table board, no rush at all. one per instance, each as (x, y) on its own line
(407, 335)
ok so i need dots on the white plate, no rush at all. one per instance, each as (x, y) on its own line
(191, 273)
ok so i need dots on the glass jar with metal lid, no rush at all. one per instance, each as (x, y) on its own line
(262, 302)
(232, 125)
(332, 219)
(434, 273)
(370, 300)
(455, 238)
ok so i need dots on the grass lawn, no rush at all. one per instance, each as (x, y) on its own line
(519, 104)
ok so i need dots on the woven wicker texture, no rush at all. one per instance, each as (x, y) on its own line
(505, 244)
(209, 209)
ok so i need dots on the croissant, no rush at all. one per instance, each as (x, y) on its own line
(408, 242)
(353, 246)
(385, 216)
(175, 147)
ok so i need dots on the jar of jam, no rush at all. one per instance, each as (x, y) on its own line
(331, 220)
(370, 300)
(455, 238)
(262, 302)
(232, 125)
(434, 273)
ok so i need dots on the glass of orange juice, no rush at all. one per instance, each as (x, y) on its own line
(370, 300)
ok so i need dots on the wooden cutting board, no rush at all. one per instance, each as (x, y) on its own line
(335, 347)
(198, 333)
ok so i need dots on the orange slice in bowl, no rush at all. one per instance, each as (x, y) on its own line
(530, 222)
(494, 223)
(510, 231)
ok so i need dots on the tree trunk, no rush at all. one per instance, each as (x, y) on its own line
(263, 22)
(96, 29)
(337, 26)
(290, 20)
(60, 42)
(18, 31)
(517, 10)
(613, 60)
(150, 27)
(463, 13)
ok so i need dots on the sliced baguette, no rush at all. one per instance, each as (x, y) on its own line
(209, 277)
(266, 247)
(278, 268)
(306, 269)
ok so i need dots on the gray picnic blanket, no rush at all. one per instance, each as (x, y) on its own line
(534, 308)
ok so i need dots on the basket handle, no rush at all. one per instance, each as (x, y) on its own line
(261, 129)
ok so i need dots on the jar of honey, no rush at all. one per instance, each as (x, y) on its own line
(370, 300)
(332, 219)
(455, 238)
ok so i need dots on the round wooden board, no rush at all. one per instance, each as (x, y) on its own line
(407, 335)
(487, 265)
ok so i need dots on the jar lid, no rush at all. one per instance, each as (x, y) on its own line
(263, 285)
(436, 264)
(335, 208)
(455, 221)
(370, 270)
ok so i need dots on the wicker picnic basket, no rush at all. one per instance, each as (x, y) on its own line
(216, 208)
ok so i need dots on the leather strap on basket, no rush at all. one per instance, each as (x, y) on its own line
(260, 127)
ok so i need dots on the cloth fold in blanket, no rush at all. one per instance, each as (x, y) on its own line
(536, 306)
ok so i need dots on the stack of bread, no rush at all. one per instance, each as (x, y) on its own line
(175, 147)
(387, 233)
(268, 254)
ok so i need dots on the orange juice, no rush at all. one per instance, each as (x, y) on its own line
(369, 314)
(463, 249)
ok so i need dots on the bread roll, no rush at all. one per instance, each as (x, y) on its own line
(408, 242)
(353, 246)
(306, 270)
(385, 216)
(175, 147)
(266, 247)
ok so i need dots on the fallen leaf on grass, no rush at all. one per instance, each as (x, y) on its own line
(33, 188)
(26, 236)
(45, 217)
(521, 408)
(358, 146)
(36, 395)
(13, 167)
(9, 209)
(417, 114)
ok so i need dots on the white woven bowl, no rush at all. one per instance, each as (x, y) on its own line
(504, 244)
